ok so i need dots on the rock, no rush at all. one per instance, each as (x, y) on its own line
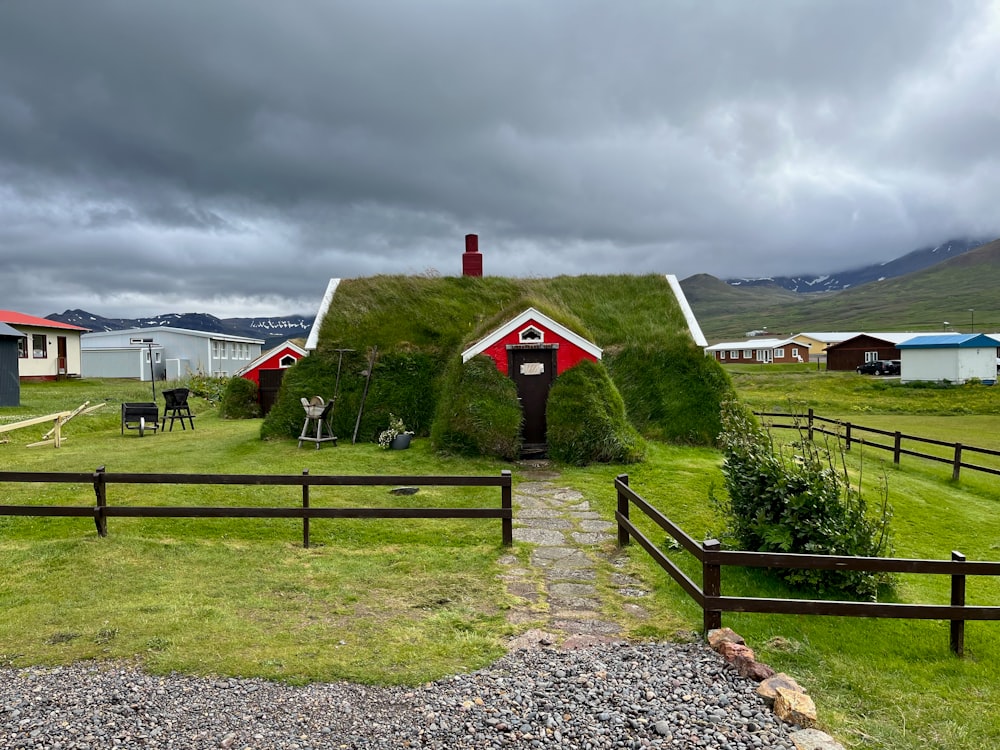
(752, 670)
(723, 635)
(813, 739)
(768, 689)
(794, 707)
(730, 651)
(404, 490)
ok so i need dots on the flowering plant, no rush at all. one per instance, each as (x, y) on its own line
(396, 427)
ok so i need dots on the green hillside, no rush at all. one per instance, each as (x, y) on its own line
(920, 301)
(421, 324)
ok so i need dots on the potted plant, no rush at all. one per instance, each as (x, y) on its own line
(396, 436)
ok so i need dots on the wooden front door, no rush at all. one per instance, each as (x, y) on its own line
(267, 392)
(533, 371)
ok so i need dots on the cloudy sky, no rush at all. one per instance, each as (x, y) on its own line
(231, 156)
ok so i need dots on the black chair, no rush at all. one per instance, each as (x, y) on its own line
(177, 408)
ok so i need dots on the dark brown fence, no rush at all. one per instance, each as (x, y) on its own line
(709, 596)
(853, 433)
(101, 511)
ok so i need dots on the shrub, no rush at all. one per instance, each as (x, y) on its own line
(797, 500)
(207, 387)
(586, 419)
(478, 412)
(239, 400)
(672, 392)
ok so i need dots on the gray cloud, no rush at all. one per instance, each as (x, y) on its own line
(231, 156)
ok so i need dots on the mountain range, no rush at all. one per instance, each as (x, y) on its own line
(917, 260)
(271, 330)
(957, 294)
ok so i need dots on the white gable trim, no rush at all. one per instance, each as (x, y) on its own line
(689, 318)
(527, 316)
(324, 306)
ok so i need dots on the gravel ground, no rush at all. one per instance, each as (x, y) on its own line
(652, 695)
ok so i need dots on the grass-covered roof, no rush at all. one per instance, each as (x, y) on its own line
(421, 324)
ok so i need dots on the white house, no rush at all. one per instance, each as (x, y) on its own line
(49, 349)
(955, 357)
(168, 353)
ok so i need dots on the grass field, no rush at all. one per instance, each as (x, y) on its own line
(386, 604)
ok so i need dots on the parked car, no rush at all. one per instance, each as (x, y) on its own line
(880, 367)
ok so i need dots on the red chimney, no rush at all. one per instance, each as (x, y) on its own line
(472, 261)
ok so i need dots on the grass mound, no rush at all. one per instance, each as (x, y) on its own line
(586, 419)
(420, 325)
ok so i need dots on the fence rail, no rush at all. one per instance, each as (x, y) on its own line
(101, 510)
(847, 431)
(709, 596)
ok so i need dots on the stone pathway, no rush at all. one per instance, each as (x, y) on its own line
(569, 581)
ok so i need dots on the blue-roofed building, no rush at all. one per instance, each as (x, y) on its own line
(952, 357)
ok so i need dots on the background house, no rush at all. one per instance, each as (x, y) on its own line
(165, 353)
(955, 357)
(268, 370)
(820, 341)
(865, 347)
(760, 351)
(50, 350)
(10, 382)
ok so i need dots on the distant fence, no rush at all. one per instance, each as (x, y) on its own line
(101, 511)
(709, 596)
(852, 433)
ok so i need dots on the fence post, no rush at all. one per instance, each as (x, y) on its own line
(101, 491)
(847, 437)
(711, 583)
(896, 447)
(623, 507)
(507, 523)
(956, 466)
(958, 600)
(811, 415)
(305, 504)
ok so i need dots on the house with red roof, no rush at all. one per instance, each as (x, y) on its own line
(50, 350)
(268, 370)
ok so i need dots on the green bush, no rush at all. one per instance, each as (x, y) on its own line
(239, 400)
(478, 412)
(207, 387)
(797, 500)
(586, 419)
(672, 392)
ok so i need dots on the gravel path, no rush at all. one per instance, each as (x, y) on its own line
(606, 696)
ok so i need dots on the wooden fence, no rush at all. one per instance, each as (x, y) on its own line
(101, 511)
(709, 596)
(853, 433)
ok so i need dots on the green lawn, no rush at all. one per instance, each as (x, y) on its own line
(386, 603)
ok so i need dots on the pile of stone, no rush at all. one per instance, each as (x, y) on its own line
(781, 693)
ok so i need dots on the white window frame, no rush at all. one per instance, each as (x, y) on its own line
(871, 356)
(747, 353)
(779, 353)
(734, 354)
(36, 352)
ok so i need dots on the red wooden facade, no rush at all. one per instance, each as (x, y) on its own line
(533, 330)
(279, 358)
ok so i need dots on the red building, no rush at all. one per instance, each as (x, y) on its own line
(269, 368)
(532, 349)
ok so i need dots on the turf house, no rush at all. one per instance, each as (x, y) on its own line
(619, 360)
